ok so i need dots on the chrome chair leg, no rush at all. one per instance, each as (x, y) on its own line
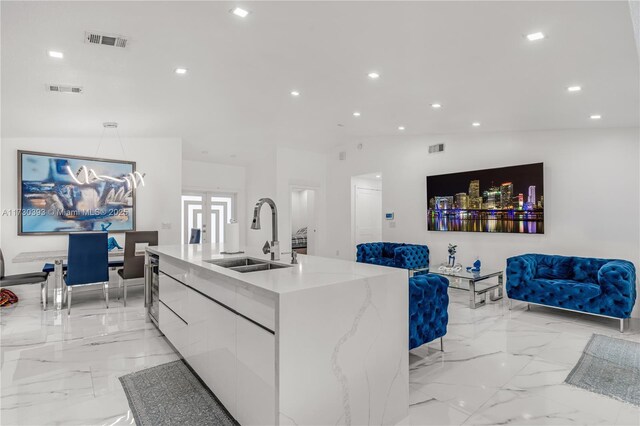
(106, 293)
(510, 306)
(441, 345)
(124, 283)
(68, 299)
(119, 286)
(44, 290)
(621, 325)
(528, 307)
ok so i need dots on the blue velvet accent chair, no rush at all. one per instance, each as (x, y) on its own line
(397, 255)
(88, 263)
(603, 287)
(428, 304)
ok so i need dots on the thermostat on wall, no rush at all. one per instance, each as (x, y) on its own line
(388, 216)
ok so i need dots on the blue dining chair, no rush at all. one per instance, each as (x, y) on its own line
(195, 236)
(88, 263)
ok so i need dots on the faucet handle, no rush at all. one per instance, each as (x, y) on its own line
(266, 248)
(294, 257)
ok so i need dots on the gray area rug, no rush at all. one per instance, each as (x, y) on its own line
(609, 367)
(170, 394)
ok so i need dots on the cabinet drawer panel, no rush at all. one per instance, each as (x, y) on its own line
(260, 308)
(174, 329)
(175, 295)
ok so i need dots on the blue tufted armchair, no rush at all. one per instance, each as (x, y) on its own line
(428, 304)
(600, 287)
(398, 255)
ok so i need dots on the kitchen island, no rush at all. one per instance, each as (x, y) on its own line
(324, 341)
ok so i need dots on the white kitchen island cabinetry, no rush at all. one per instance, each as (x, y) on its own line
(321, 342)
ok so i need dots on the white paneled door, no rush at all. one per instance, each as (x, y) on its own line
(368, 215)
(207, 211)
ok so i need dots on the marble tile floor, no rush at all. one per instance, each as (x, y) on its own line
(499, 366)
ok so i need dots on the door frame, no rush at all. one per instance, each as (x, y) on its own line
(354, 187)
(316, 191)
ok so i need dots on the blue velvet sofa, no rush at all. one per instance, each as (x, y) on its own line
(398, 255)
(602, 287)
(428, 304)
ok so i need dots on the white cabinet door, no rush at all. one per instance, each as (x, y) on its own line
(212, 347)
(256, 374)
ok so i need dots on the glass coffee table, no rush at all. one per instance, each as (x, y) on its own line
(476, 284)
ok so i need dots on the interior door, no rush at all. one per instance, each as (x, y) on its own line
(368, 215)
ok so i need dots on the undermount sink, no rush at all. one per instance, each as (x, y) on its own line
(247, 264)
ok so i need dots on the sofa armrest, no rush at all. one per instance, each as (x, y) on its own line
(411, 257)
(520, 269)
(367, 251)
(428, 305)
(617, 280)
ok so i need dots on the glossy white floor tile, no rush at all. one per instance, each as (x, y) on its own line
(499, 366)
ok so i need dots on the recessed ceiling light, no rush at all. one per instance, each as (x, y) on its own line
(238, 11)
(356, 114)
(535, 36)
(475, 124)
(373, 75)
(57, 55)
(378, 176)
(436, 106)
(574, 88)
(181, 70)
(595, 117)
(400, 127)
(295, 93)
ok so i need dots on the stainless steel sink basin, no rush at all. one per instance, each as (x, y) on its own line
(247, 264)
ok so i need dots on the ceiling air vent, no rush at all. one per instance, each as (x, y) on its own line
(59, 88)
(105, 39)
(436, 148)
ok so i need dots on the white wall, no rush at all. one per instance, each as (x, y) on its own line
(213, 177)
(301, 169)
(157, 203)
(299, 210)
(592, 184)
(279, 171)
(261, 183)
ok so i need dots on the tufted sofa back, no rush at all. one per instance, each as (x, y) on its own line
(583, 269)
(400, 255)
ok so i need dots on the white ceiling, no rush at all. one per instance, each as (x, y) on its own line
(469, 56)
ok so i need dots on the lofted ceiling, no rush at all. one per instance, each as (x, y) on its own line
(235, 101)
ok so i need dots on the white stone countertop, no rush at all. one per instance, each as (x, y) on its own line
(310, 272)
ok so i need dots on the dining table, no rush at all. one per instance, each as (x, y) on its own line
(57, 257)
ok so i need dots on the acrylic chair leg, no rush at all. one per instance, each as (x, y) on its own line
(68, 300)
(119, 286)
(106, 293)
(441, 345)
(124, 284)
(528, 307)
(510, 306)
